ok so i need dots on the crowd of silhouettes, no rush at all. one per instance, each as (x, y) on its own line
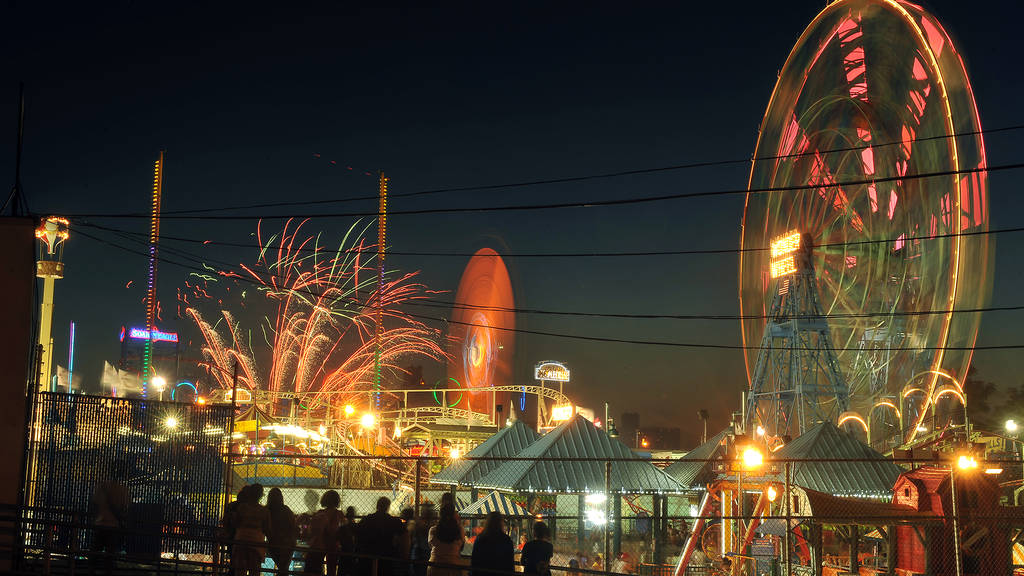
(338, 544)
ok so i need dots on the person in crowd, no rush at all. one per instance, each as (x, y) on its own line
(446, 540)
(347, 544)
(284, 532)
(379, 536)
(408, 517)
(419, 549)
(493, 551)
(537, 553)
(575, 562)
(110, 508)
(323, 536)
(252, 525)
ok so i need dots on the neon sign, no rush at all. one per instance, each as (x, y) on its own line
(143, 334)
(553, 371)
(561, 413)
(783, 263)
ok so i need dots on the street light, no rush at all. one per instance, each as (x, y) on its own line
(171, 422)
(1011, 426)
(349, 410)
(752, 458)
(160, 384)
(368, 420)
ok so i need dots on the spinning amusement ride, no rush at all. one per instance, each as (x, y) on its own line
(864, 253)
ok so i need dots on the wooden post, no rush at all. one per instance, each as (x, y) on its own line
(890, 550)
(816, 546)
(854, 548)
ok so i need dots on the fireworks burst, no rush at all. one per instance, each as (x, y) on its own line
(318, 317)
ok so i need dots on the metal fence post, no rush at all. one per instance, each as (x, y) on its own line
(419, 488)
(787, 552)
(607, 515)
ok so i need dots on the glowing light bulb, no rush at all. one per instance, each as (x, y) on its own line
(752, 457)
(171, 422)
(771, 493)
(368, 420)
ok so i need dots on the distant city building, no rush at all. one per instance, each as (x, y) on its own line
(659, 438)
(628, 425)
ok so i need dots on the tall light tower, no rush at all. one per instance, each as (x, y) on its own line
(382, 238)
(52, 233)
(154, 241)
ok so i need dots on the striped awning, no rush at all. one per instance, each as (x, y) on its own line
(495, 501)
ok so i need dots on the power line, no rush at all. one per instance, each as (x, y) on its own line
(697, 251)
(691, 345)
(588, 177)
(562, 205)
(436, 303)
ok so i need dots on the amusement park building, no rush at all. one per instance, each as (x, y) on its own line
(508, 442)
(571, 459)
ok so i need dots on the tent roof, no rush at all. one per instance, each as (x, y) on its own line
(508, 441)
(693, 470)
(819, 455)
(496, 501)
(578, 438)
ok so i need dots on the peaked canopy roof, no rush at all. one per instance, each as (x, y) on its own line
(496, 502)
(819, 455)
(556, 469)
(508, 441)
(694, 469)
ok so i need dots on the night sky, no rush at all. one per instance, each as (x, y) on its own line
(245, 97)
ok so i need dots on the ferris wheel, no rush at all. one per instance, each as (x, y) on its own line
(871, 148)
(482, 341)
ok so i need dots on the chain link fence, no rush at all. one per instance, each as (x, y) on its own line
(711, 512)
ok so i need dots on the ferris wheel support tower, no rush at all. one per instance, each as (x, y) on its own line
(797, 381)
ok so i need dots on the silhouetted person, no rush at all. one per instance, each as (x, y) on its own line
(446, 541)
(284, 532)
(536, 557)
(323, 536)
(379, 535)
(252, 524)
(110, 508)
(347, 543)
(493, 549)
(419, 547)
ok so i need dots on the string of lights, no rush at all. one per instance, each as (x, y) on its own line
(559, 205)
(581, 178)
(684, 345)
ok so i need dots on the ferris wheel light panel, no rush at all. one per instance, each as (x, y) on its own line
(786, 245)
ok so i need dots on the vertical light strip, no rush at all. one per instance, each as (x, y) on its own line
(382, 236)
(154, 239)
(71, 359)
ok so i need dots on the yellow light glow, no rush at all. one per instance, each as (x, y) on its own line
(349, 410)
(200, 400)
(752, 457)
(966, 462)
(398, 431)
(171, 422)
(159, 383)
(783, 267)
(889, 404)
(993, 470)
(760, 430)
(322, 429)
(561, 413)
(771, 493)
(368, 420)
(455, 453)
(1011, 426)
(644, 443)
(786, 244)
(847, 416)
